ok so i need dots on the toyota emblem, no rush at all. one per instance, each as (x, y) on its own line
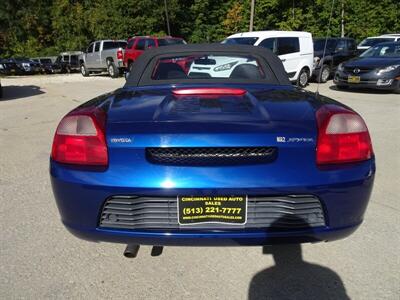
(356, 71)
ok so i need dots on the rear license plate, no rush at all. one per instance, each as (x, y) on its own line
(353, 79)
(212, 209)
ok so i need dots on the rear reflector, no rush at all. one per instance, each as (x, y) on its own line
(342, 136)
(209, 91)
(80, 139)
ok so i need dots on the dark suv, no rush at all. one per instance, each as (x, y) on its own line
(337, 51)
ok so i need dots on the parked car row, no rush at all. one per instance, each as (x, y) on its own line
(320, 59)
(374, 63)
(66, 62)
(303, 58)
(19, 66)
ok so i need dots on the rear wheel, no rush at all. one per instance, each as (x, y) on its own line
(128, 70)
(323, 74)
(85, 72)
(302, 79)
(397, 90)
(342, 87)
(113, 71)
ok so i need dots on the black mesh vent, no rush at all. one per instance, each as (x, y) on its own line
(211, 155)
(275, 213)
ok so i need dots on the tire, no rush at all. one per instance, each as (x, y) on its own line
(324, 74)
(302, 79)
(84, 71)
(397, 91)
(342, 87)
(128, 70)
(112, 70)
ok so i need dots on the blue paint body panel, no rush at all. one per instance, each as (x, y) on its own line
(148, 117)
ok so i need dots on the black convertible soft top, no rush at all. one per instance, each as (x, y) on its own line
(143, 66)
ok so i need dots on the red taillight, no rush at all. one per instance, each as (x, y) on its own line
(120, 54)
(80, 139)
(209, 91)
(342, 136)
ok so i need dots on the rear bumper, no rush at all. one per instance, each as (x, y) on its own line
(242, 238)
(344, 202)
(120, 64)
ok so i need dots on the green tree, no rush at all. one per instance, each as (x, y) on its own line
(44, 27)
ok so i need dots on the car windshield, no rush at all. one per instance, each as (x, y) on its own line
(241, 41)
(45, 61)
(385, 50)
(207, 67)
(166, 42)
(368, 42)
(114, 45)
(320, 44)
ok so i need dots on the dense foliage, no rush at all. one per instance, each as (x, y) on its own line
(44, 27)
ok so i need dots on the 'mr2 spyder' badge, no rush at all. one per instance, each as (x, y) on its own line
(283, 139)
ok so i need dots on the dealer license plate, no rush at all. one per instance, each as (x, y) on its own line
(212, 209)
(353, 79)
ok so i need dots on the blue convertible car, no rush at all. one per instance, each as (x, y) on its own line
(211, 145)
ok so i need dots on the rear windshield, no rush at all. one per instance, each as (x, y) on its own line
(207, 67)
(113, 45)
(166, 42)
(373, 41)
(241, 41)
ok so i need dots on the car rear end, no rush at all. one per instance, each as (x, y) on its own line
(113, 51)
(285, 168)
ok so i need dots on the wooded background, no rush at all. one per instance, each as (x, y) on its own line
(46, 27)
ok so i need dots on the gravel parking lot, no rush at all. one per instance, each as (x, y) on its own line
(39, 259)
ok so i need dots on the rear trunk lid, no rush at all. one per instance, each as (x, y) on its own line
(156, 139)
(157, 118)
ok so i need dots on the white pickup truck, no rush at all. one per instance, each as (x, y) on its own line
(104, 55)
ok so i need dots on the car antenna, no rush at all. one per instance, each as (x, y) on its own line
(326, 42)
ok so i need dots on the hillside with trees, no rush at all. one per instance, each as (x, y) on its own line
(46, 27)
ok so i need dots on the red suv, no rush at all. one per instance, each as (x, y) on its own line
(136, 45)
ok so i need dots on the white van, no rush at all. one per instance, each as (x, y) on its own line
(294, 48)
